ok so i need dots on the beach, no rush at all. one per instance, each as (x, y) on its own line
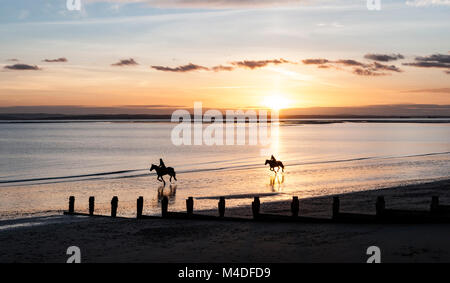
(194, 241)
(224, 131)
(44, 163)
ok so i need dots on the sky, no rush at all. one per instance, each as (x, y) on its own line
(225, 54)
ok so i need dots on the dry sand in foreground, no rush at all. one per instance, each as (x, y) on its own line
(130, 240)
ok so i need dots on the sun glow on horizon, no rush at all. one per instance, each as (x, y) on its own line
(276, 102)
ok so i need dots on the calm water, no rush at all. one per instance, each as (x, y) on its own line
(42, 164)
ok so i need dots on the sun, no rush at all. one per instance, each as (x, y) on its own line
(276, 102)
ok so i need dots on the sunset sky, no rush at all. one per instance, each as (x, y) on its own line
(227, 54)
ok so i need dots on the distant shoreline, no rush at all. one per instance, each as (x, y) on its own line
(48, 116)
(286, 119)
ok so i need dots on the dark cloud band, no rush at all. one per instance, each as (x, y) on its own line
(22, 67)
(318, 61)
(383, 57)
(349, 62)
(248, 64)
(366, 72)
(259, 64)
(59, 60)
(125, 62)
(222, 68)
(359, 68)
(441, 61)
(181, 69)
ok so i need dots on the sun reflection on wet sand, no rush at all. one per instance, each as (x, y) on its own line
(276, 182)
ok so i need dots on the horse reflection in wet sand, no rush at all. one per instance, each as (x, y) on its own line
(160, 172)
(164, 193)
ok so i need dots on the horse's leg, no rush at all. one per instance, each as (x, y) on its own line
(164, 182)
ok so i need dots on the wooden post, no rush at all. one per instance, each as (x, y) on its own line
(71, 204)
(222, 207)
(190, 206)
(295, 206)
(434, 203)
(114, 204)
(336, 206)
(256, 205)
(164, 206)
(139, 206)
(91, 205)
(380, 205)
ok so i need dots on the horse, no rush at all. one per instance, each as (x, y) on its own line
(163, 171)
(275, 164)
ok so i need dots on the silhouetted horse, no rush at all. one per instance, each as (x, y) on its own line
(275, 164)
(163, 171)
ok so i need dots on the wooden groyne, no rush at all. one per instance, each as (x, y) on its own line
(437, 214)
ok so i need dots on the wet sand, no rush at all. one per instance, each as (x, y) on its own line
(131, 240)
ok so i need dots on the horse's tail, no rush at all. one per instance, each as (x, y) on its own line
(175, 175)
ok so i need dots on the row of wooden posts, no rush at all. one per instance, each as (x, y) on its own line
(436, 210)
(140, 206)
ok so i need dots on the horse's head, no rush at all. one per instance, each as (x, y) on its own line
(153, 167)
(267, 162)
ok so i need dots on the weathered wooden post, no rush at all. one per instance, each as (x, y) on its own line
(190, 206)
(434, 203)
(114, 204)
(295, 206)
(380, 206)
(256, 205)
(222, 207)
(71, 204)
(164, 206)
(139, 207)
(336, 206)
(91, 205)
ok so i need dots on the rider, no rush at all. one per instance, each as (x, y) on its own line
(161, 164)
(272, 158)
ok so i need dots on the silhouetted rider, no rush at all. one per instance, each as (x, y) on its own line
(161, 164)
(272, 158)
